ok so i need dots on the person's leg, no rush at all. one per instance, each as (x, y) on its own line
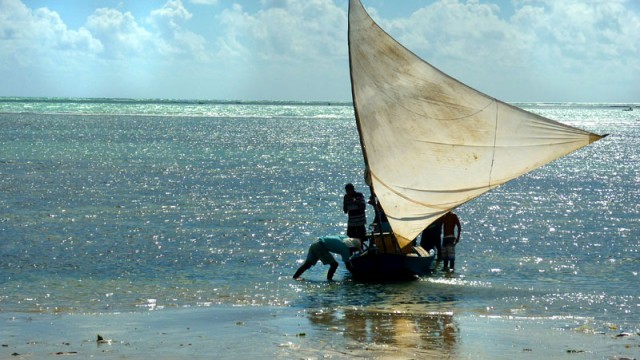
(445, 257)
(313, 255)
(352, 231)
(362, 233)
(452, 256)
(357, 232)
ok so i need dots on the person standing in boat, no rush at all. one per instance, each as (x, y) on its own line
(354, 205)
(322, 248)
(450, 222)
(380, 221)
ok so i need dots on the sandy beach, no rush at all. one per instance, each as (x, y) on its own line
(287, 333)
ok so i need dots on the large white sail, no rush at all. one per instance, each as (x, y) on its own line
(432, 143)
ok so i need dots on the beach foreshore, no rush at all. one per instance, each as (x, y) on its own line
(232, 332)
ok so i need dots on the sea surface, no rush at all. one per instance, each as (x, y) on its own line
(118, 205)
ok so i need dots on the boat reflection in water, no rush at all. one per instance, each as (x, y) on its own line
(399, 334)
(411, 319)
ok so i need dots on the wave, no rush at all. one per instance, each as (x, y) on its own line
(575, 105)
(222, 108)
(167, 101)
(173, 107)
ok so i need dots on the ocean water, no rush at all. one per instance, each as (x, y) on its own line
(115, 205)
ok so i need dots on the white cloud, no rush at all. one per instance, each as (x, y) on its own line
(172, 10)
(172, 38)
(204, 2)
(113, 54)
(585, 49)
(119, 33)
(289, 49)
(289, 30)
(32, 36)
(449, 31)
(582, 34)
(29, 37)
(124, 36)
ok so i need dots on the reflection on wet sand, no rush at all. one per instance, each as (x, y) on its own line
(391, 333)
(379, 320)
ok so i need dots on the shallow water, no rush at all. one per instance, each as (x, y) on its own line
(116, 206)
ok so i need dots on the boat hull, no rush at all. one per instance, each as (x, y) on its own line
(390, 267)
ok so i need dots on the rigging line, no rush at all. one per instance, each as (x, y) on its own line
(495, 137)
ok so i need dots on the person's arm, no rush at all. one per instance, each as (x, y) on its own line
(349, 266)
(332, 270)
(459, 229)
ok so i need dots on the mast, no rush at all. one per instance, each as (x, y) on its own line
(355, 108)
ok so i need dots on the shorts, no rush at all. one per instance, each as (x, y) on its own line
(358, 232)
(317, 251)
(449, 248)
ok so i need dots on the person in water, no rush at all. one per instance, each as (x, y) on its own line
(354, 205)
(322, 248)
(432, 237)
(450, 222)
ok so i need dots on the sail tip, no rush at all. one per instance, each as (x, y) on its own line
(596, 137)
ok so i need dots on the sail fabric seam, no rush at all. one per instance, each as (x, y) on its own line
(373, 175)
(397, 193)
(445, 103)
(480, 146)
(415, 217)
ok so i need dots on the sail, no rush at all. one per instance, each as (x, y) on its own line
(430, 142)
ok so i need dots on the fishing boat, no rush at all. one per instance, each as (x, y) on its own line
(431, 143)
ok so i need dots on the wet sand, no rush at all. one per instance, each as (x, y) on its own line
(288, 333)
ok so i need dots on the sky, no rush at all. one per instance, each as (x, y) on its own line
(296, 50)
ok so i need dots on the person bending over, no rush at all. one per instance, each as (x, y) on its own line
(322, 248)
